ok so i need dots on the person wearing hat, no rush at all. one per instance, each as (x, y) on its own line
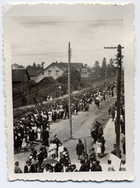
(17, 168)
(79, 148)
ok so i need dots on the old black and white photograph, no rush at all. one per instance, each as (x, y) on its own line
(70, 75)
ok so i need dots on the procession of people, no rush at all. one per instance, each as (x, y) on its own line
(35, 125)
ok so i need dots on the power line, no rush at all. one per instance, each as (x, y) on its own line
(43, 90)
(33, 80)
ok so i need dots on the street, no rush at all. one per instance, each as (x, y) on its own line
(81, 128)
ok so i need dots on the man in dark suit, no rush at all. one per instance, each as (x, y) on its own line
(45, 136)
(29, 168)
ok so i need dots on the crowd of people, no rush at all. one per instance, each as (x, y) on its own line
(56, 159)
(34, 126)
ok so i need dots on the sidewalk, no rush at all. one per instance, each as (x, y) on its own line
(110, 137)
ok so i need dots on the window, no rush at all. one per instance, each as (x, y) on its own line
(57, 72)
(49, 72)
(42, 73)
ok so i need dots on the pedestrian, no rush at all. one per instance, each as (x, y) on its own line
(29, 168)
(123, 143)
(79, 148)
(92, 154)
(45, 136)
(57, 142)
(94, 133)
(17, 169)
(99, 146)
(98, 166)
(73, 168)
(60, 150)
(25, 143)
(110, 166)
(122, 166)
(64, 161)
(58, 167)
(87, 163)
(103, 145)
(40, 158)
(109, 111)
(100, 131)
(82, 167)
(52, 149)
(33, 153)
(50, 116)
(39, 133)
(93, 165)
(113, 113)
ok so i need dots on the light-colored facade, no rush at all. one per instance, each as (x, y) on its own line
(52, 70)
(84, 73)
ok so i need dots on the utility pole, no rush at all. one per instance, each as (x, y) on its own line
(69, 89)
(119, 59)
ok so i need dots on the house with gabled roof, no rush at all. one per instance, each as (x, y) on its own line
(33, 71)
(56, 70)
(47, 86)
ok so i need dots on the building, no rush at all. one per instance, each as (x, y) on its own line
(20, 87)
(34, 71)
(47, 86)
(84, 73)
(56, 69)
(17, 66)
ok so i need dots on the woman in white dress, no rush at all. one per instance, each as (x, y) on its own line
(52, 149)
(99, 148)
(50, 116)
(39, 134)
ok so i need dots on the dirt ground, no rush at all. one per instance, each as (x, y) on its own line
(81, 127)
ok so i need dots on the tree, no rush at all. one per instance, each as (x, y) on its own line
(111, 63)
(38, 65)
(75, 78)
(104, 63)
(34, 64)
(96, 65)
(42, 64)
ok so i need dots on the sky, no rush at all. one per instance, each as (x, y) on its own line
(45, 38)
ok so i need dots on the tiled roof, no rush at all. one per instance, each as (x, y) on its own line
(73, 65)
(48, 80)
(33, 71)
(18, 74)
